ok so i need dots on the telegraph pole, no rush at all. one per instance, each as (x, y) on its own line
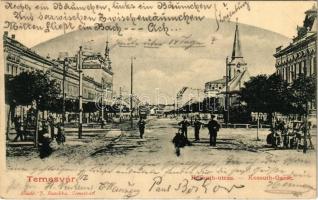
(63, 88)
(131, 93)
(80, 96)
(102, 102)
(120, 105)
(174, 108)
(227, 93)
(177, 110)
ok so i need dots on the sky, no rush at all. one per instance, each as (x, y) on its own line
(277, 16)
(161, 72)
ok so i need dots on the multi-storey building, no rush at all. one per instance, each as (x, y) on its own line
(300, 56)
(19, 58)
(213, 88)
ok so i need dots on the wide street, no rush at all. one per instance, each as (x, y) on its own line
(114, 160)
(115, 146)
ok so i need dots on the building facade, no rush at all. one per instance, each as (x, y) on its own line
(187, 96)
(213, 88)
(236, 74)
(300, 56)
(19, 58)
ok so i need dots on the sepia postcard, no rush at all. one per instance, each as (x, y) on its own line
(158, 99)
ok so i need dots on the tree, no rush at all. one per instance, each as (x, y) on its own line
(267, 95)
(33, 86)
(277, 95)
(29, 87)
(254, 95)
(240, 114)
(303, 91)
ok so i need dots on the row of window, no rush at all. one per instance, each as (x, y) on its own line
(214, 87)
(14, 69)
(70, 90)
(89, 93)
(290, 73)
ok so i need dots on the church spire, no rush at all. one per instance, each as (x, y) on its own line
(107, 51)
(236, 52)
(237, 65)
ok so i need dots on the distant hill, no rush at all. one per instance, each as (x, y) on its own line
(171, 68)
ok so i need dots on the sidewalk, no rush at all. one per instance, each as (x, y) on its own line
(78, 149)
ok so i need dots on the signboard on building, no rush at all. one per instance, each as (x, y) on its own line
(92, 62)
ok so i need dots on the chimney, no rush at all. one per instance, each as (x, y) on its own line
(13, 36)
(5, 34)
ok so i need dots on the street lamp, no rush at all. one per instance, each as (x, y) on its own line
(102, 102)
(131, 92)
(227, 92)
(120, 105)
(65, 65)
(80, 95)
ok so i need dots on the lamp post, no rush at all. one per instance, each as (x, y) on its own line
(131, 93)
(227, 93)
(80, 96)
(120, 105)
(65, 64)
(102, 102)
(174, 108)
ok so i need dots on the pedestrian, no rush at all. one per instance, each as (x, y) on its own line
(18, 128)
(45, 149)
(179, 141)
(51, 124)
(184, 126)
(141, 125)
(197, 126)
(213, 127)
(60, 138)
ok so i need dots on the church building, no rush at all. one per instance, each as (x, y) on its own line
(236, 74)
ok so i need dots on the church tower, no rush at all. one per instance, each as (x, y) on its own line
(237, 64)
(107, 58)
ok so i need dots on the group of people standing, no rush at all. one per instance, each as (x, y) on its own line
(181, 138)
(213, 127)
(48, 128)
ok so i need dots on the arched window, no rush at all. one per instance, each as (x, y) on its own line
(315, 65)
(304, 67)
(288, 74)
(8, 68)
(312, 66)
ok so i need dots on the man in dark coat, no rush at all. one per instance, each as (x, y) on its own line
(179, 141)
(197, 126)
(141, 125)
(213, 127)
(184, 126)
(18, 128)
